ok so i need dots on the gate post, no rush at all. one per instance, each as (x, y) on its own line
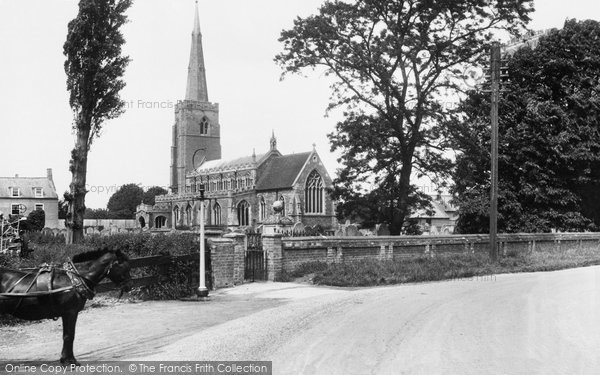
(239, 254)
(274, 249)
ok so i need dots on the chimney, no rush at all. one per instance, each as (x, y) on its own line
(49, 173)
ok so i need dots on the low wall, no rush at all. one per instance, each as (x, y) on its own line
(298, 250)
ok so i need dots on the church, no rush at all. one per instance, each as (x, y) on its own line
(239, 192)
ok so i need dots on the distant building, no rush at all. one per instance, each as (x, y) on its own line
(22, 195)
(443, 218)
(240, 192)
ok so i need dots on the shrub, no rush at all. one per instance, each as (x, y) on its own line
(177, 280)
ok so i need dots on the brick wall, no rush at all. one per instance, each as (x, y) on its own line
(296, 251)
(227, 260)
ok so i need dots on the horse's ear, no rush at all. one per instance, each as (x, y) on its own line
(121, 255)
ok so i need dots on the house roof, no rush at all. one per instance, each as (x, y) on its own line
(438, 212)
(26, 185)
(281, 171)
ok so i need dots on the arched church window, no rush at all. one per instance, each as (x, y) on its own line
(159, 222)
(204, 126)
(188, 215)
(282, 199)
(176, 215)
(243, 212)
(216, 214)
(313, 194)
(263, 208)
(205, 213)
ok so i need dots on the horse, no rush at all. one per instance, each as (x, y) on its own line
(50, 292)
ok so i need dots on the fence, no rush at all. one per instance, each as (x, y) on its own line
(161, 265)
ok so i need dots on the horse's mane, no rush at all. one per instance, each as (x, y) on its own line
(95, 254)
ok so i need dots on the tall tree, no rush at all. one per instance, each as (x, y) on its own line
(151, 193)
(94, 68)
(549, 139)
(122, 204)
(393, 62)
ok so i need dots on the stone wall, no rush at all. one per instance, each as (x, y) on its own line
(287, 253)
(296, 251)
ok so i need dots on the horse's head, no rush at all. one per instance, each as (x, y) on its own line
(118, 272)
(106, 262)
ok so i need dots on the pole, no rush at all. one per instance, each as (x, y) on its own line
(495, 75)
(202, 290)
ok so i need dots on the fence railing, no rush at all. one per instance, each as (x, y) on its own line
(162, 262)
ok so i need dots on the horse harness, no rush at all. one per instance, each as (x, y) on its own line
(43, 281)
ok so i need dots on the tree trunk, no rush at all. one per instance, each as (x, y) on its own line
(78, 167)
(403, 191)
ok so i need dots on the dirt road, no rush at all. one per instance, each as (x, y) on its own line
(546, 323)
(542, 323)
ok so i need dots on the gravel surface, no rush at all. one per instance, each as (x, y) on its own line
(538, 323)
(541, 323)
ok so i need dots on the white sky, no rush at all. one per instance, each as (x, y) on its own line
(240, 41)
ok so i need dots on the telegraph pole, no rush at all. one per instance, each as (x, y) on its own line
(495, 86)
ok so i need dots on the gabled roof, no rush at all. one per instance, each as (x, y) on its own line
(439, 212)
(245, 162)
(281, 171)
(26, 185)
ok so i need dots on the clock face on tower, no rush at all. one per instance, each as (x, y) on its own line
(198, 158)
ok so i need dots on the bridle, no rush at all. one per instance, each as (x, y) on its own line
(85, 282)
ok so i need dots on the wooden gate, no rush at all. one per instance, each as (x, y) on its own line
(256, 261)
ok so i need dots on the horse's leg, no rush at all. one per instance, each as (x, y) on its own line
(69, 320)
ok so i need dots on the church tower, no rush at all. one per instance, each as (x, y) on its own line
(196, 133)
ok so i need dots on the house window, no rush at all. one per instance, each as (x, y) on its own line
(14, 209)
(39, 207)
(313, 194)
(217, 214)
(15, 192)
(38, 192)
(204, 126)
(243, 211)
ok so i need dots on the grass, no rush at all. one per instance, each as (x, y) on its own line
(303, 270)
(444, 267)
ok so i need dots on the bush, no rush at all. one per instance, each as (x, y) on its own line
(177, 280)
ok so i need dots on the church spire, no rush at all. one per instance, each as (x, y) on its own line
(196, 82)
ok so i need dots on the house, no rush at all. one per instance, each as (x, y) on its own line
(22, 195)
(442, 218)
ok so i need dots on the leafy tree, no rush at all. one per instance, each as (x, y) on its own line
(97, 213)
(392, 63)
(63, 207)
(549, 139)
(151, 193)
(122, 204)
(94, 68)
(36, 220)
